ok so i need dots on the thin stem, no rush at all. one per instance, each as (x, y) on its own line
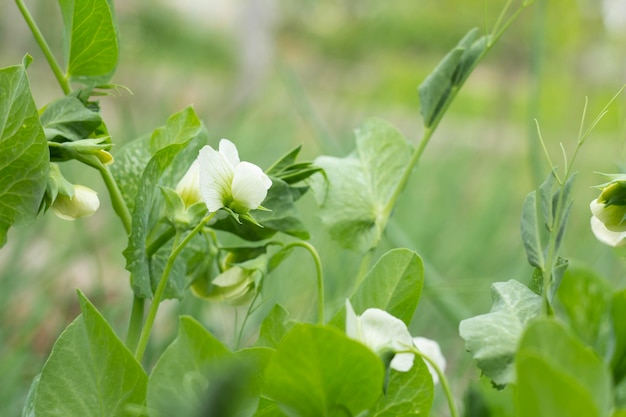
(245, 320)
(363, 269)
(158, 294)
(444, 382)
(161, 240)
(135, 322)
(320, 276)
(41, 41)
(117, 200)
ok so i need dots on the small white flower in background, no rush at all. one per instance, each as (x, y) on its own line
(189, 186)
(608, 220)
(225, 181)
(386, 334)
(83, 203)
(235, 286)
(382, 333)
(431, 349)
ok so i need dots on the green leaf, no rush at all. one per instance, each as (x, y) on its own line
(281, 216)
(407, 394)
(618, 312)
(558, 376)
(318, 371)
(268, 408)
(436, 91)
(89, 372)
(492, 338)
(357, 190)
(185, 370)
(90, 40)
(24, 156)
(274, 327)
(531, 233)
(393, 284)
(585, 298)
(130, 162)
(149, 202)
(619, 413)
(67, 118)
(179, 128)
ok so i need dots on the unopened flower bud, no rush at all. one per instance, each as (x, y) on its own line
(235, 286)
(189, 186)
(608, 222)
(84, 202)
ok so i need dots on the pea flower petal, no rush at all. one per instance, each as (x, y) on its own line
(382, 333)
(83, 203)
(225, 181)
(431, 349)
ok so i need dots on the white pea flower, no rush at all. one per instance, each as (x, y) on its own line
(235, 286)
(225, 181)
(189, 186)
(431, 349)
(382, 333)
(83, 203)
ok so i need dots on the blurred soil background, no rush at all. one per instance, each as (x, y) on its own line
(273, 74)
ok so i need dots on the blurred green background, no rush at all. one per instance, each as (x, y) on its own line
(270, 75)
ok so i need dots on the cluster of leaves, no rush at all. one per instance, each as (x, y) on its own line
(293, 369)
(562, 332)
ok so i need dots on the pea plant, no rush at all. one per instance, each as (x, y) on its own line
(177, 192)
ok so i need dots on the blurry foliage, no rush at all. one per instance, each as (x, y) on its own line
(328, 66)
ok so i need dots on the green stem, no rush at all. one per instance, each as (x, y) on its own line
(41, 41)
(161, 240)
(158, 294)
(320, 276)
(135, 323)
(245, 320)
(363, 268)
(444, 382)
(117, 200)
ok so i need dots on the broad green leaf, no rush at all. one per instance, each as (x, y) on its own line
(492, 338)
(618, 312)
(282, 216)
(619, 413)
(130, 162)
(24, 156)
(149, 201)
(407, 393)
(436, 91)
(179, 128)
(274, 327)
(89, 372)
(393, 284)
(586, 301)
(68, 118)
(356, 191)
(185, 371)
(90, 40)
(318, 371)
(558, 376)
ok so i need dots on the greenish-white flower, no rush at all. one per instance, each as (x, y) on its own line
(608, 221)
(382, 333)
(84, 202)
(387, 335)
(225, 181)
(235, 285)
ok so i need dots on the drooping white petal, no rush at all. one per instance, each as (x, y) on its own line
(249, 185)
(606, 236)
(229, 151)
(216, 175)
(431, 349)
